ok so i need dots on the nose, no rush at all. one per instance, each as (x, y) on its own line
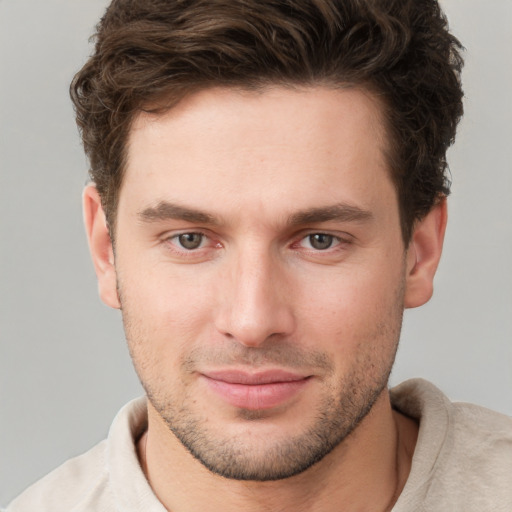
(256, 300)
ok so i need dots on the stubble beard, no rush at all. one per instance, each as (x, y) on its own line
(337, 415)
(231, 458)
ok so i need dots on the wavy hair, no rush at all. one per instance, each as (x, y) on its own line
(149, 51)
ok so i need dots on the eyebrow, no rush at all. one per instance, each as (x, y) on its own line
(339, 212)
(165, 210)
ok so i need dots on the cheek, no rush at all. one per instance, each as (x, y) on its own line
(164, 315)
(161, 294)
(354, 309)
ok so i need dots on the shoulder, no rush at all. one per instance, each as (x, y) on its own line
(482, 440)
(426, 403)
(479, 420)
(96, 480)
(70, 487)
(463, 457)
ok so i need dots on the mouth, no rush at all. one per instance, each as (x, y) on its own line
(255, 391)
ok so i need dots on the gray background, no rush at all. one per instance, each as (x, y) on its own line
(64, 370)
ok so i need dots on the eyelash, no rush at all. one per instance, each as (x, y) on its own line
(174, 244)
(338, 243)
(332, 240)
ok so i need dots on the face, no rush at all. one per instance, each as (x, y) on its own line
(261, 272)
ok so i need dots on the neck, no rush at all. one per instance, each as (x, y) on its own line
(367, 471)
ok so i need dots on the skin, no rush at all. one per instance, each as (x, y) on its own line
(261, 178)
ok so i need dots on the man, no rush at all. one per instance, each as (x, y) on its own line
(268, 196)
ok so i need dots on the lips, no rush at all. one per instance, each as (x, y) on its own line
(255, 391)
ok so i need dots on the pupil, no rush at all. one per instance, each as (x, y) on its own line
(190, 240)
(321, 241)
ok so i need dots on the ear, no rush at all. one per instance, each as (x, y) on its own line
(100, 246)
(423, 255)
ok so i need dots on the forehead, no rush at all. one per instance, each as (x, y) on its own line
(277, 146)
(265, 109)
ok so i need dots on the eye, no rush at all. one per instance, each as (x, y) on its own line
(320, 241)
(190, 241)
(190, 246)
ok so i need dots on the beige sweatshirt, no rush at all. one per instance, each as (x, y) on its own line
(462, 462)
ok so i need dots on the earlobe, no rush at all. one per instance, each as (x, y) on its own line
(423, 255)
(100, 245)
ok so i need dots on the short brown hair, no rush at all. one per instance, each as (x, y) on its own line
(399, 49)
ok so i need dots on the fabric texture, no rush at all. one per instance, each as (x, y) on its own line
(462, 462)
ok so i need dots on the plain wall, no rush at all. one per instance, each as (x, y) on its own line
(64, 369)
